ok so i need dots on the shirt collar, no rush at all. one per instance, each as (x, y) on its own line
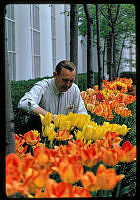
(56, 91)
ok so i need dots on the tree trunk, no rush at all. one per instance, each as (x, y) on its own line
(10, 139)
(100, 68)
(90, 73)
(74, 36)
(112, 25)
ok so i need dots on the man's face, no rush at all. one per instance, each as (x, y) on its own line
(65, 79)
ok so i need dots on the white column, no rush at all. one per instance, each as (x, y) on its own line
(60, 33)
(67, 31)
(45, 40)
(23, 42)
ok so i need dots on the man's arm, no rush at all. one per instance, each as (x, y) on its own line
(30, 101)
(38, 111)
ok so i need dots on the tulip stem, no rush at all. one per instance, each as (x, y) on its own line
(118, 189)
(51, 145)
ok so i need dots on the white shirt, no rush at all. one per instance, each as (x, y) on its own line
(46, 95)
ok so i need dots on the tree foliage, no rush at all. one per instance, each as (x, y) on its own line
(124, 17)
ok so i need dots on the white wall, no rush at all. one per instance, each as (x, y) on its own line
(45, 40)
(23, 42)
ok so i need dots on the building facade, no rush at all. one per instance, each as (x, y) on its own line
(38, 37)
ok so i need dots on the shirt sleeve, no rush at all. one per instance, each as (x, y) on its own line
(78, 102)
(31, 99)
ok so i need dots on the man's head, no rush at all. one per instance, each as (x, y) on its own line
(64, 75)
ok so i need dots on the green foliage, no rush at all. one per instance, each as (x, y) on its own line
(82, 81)
(126, 21)
(125, 26)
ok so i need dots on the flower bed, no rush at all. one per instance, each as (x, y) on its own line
(73, 157)
(113, 99)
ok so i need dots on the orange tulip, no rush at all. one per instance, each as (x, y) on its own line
(16, 187)
(58, 190)
(89, 181)
(80, 192)
(27, 162)
(107, 178)
(111, 138)
(20, 150)
(63, 135)
(70, 171)
(128, 152)
(45, 157)
(13, 175)
(124, 112)
(108, 115)
(30, 138)
(12, 168)
(89, 156)
(61, 190)
(129, 99)
(110, 157)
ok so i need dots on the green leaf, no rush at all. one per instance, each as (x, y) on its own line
(124, 190)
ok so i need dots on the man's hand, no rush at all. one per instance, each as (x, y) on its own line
(53, 117)
(41, 111)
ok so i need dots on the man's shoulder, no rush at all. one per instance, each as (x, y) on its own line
(44, 82)
(75, 88)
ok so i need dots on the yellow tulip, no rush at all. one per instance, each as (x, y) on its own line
(46, 120)
(36, 133)
(124, 130)
(49, 132)
(79, 135)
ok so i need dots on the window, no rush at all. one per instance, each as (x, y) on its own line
(53, 28)
(10, 37)
(35, 39)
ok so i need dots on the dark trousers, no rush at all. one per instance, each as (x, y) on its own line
(33, 123)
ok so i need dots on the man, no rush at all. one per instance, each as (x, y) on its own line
(59, 95)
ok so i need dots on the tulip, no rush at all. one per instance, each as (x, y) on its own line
(69, 170)
(58, 190)
(107, 178)
(20, 150)
(80, 192)
(12, 168)
(63, 135)
(46, 120)
(31, 139)
(49, 132)
(128, 152)
(89, 156)
(89, 181)
(110, 157)
(129, 99)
